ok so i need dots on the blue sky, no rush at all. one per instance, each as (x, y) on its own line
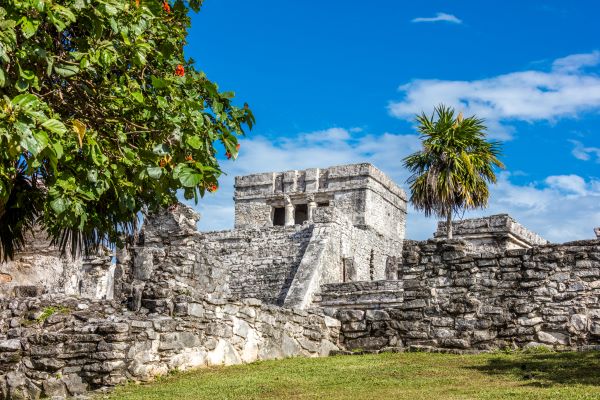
(334, 82)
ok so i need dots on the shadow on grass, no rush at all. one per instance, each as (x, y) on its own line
(547, 369)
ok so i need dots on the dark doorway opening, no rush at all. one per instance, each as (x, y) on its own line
(300, 214)
(278, 216)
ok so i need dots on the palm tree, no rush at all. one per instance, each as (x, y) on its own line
(452, 171)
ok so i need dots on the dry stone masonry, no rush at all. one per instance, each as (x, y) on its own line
(59, 346)
(317, 263)
(454, 299)
(494, 233)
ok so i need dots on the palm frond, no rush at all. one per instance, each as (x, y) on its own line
(19, 213)
(452, 170)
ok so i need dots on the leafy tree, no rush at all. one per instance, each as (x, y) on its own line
(452, 171)
(101, 117)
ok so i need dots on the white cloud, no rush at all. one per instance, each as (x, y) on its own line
(584, 153)
(575, 62)
(570, 184)
(560, 208)
(564, 91)
(439, 17)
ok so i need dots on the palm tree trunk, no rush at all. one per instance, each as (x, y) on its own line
(449, 225)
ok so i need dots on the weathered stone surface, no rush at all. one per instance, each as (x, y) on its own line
(39, 268)
(10, 345)
(108, 348)
(495, 233)
(484, 301)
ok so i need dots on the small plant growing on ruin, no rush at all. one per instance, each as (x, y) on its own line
(452, 171)
(50, 311)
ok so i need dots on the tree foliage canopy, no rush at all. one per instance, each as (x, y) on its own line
(101, 116)
(452, 171)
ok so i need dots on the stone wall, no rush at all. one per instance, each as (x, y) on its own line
(360, 295)
(546, 295)
(283, 265)
(260, 263)
(40, 267)
(57, 346)
(172, 258)
(492, 233)
(360, 193)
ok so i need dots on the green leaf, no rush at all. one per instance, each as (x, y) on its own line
(138, 96)
(40, 5)
(65, 70)
(155, 172)
(50, 65)
(113, 25)
(161, 102)
(158, 83)
(59, 205)
(22, 85)
(26, 138)
(194, 142)
(56, 21)
(106, 58)
(29, 27)
(25, 101)
(27, 75)
(110, 9)
(140, 57)
(190, 178)
(84, 63)
(55, 126)
(2, 77)
(42, 139)
(127, 201)
(58, 149)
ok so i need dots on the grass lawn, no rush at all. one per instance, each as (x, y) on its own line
(388, 376)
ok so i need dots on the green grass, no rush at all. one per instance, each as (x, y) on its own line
(396, 376)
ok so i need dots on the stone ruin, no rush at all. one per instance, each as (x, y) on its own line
(317, 264)
(494, 233)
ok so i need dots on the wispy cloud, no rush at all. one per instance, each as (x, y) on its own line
(560, 207)
(533, 95)
(576, 62)
(568, 184)
(439, 17)
(585, 153)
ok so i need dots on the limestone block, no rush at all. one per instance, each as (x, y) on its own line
(579, 322)
(523, 321)
(188, 358)
(350, 315)
(10, 345)
(376, 315)
(54, 388)
(553, 338)
(223, 354)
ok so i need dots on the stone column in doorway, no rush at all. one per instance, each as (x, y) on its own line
(289, 211)
(312, 205)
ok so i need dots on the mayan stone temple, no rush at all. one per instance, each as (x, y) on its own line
(317, 264)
